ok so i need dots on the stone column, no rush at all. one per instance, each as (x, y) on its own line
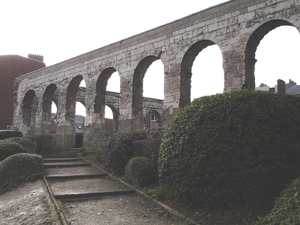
(234, 67)
(65, 133)
(126, 118)
(171, 89)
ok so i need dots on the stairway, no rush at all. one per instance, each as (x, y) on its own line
(69, 177)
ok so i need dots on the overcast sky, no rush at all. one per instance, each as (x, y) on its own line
(62, 29)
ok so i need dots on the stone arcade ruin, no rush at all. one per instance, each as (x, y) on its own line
(236, 27)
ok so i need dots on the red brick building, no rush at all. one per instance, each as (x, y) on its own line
(12, 66)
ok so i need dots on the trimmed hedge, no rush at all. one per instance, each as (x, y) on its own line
(234, 149)
(140, 171)
(9, 134)
(119, 149)
(11, 146)
(19, 168)
(24, 142)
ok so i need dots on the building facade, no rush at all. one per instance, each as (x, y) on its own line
(12, 66)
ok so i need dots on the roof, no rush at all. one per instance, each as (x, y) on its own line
(294, 90)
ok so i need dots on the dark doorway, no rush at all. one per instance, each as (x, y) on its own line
(79, 141)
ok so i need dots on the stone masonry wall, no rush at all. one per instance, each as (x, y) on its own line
(236, 27)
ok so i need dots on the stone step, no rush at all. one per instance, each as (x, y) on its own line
(75, 176)
(46, 165)
(62, 159)
(92, 194)
(60, 156)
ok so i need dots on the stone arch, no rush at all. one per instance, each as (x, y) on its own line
(99, 106)
(29, 108)
(137, 91)
(80, 96)
(113, 124)
(47, 119)
(186, 70)
(48, 98)
(251, 47)
(71, 98)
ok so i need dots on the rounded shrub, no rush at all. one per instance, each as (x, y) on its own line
(19, 168)
(140, 171)
(11, 146)
(233, 149)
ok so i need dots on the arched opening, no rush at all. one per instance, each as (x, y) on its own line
(47, 110)
(113, 83)
(111, 118)
(99, 106)
(278, 59)
(80, 109)
(29, 112)
(253, 42)
(138, 85)
(53, 117)
(154, 81)
(54, 107)
(208, 74)
(71, 99)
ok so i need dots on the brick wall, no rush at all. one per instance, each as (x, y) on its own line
(12, 66)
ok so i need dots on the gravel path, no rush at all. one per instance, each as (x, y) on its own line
(27, 204)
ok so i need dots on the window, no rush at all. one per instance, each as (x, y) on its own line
(152, 117)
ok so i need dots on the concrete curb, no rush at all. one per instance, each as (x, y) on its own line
(167, 208)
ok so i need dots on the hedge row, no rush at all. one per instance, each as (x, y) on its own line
(19, 168)
(15, 145)
(9, 134)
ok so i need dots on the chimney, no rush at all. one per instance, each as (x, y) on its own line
(38, 58)
(280, 86)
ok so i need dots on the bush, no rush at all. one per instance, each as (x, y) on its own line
(25, 143)
(140, 171)
(148, 148)
(158, 134)
(9, 134)
(43, 142)
(120, 149)
(11, 146)
(19, 168)
(235, 149)
(287, 207)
